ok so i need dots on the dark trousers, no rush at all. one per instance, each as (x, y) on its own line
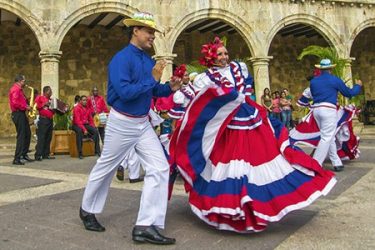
(44, 133)
(23, 133)
(101, 133)
(93, 134)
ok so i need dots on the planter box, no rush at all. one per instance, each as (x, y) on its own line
(88, 146)
(60, 142)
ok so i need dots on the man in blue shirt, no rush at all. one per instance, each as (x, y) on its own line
(324, 89)
(133, 79)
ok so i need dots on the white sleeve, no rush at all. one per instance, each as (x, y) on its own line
(178, 97)
(307, 93)
(244, 69)
(201, 81)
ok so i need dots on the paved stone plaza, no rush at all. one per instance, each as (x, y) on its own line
(39, 205)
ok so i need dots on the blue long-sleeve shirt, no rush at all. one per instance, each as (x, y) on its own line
(131, 85)
(324, 88)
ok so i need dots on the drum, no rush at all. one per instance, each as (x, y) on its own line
(103, 119)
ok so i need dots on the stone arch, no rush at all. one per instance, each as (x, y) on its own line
(324, 29)
(366, 24)
(28, 17)
(87, 10)
(237, 22)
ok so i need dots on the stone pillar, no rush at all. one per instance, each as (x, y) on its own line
(261, 75)
(50, 70)
(348, 77)
(168, 71)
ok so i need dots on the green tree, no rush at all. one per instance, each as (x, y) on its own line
(330, 53)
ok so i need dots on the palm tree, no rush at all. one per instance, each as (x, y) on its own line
(325, 52)
(329, 53)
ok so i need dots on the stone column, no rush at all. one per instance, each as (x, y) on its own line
(168, 71)
(261, 75)
(348, 77)
(50, 70)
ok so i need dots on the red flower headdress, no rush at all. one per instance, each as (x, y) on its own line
(180, 71)
(209, 52)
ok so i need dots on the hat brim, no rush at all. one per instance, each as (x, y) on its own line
(132, 22)
(325, 67)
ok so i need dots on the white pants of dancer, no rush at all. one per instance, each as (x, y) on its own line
(326, 117)
(133, 164)
(123, 134)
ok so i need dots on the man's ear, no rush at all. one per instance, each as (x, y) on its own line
(135, 31)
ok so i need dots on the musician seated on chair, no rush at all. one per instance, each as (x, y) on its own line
(97, 105)
(45, 125)
(83, 125)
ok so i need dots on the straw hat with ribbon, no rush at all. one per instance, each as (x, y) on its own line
(142, 19)
(325, 64)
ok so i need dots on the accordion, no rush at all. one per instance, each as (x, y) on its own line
(59, 106)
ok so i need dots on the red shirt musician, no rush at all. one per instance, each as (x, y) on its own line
(97, 106)
(83, 124)
(45, 125)
(18, 105)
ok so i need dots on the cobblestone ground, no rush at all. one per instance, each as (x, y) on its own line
(39, 205)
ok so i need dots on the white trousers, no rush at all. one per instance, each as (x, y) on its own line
(133, 164)
(326, 118)
(123, 134)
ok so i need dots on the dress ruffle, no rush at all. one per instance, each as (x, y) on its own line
(242, 179)
(307, 133)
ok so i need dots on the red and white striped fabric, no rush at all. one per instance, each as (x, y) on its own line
(307, 133)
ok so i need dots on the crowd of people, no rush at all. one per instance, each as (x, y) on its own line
(234, 155)
(279, 105)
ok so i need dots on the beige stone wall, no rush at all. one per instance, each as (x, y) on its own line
(364, 64)
(18, 54)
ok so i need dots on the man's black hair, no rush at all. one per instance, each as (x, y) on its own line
(19, 78)
(77, 98)
(45, 89)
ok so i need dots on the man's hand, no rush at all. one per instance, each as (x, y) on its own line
(85, 133)
(157, 70)
(359, 82)
(175, 83)
(28, 108)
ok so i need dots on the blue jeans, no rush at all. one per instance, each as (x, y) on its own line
(286, 116)
(276, 115)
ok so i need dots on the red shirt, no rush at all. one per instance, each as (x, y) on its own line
(82, 116)
(99, 107)
(17, 99)
(42, 103)
(164, 103)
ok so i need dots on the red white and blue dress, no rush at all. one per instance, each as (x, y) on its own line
(238, 166)
(307, 131)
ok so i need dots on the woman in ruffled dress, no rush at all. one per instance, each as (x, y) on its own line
(183, 96)
(237, 165)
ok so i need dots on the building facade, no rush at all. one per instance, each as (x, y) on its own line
(67, 44)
